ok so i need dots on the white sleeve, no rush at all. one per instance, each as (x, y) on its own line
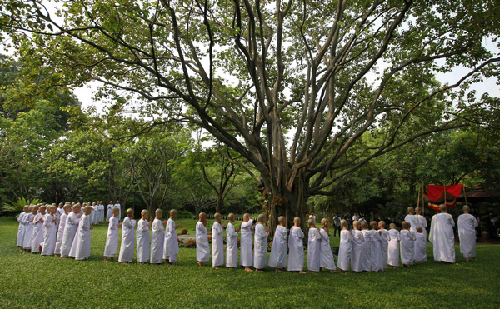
(127, 223)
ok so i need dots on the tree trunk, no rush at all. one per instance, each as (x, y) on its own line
(220, 202)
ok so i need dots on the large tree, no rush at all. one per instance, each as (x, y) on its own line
(290, 86)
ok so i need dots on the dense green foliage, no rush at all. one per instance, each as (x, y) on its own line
(30, 281)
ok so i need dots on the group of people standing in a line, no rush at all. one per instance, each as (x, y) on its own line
(361, 249)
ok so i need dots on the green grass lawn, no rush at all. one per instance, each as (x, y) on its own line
(34, 281)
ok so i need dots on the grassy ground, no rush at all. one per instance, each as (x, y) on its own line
(34, 281)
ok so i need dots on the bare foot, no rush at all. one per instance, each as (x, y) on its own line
(248, 269)
(200, 264)
(277, 270)
(215, 267)
(259, 270)
(334, 271)
(62, 257)
(302, 272)
(467, 260)
(283, 269)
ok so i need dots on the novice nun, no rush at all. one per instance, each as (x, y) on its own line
(295, 245)
(202, 248)
(217, 243)
(60, 229)
(232, 243)
(111, 247)
(383, 244)
(49, 232)
(246, 257)
(466, 224)
(277, 259)
(171, 247)
(28, 232)
(376, 248)
(407, 246)
(143, 238)
(357, 248)
(83, 236)
(128, 239)
(20, 229)
(345, 247)
(367, 247)
(326, 251)
(72, 223)
(260, 253)
(393, 239)
(37, 238)
(157, 238)
(313, 247)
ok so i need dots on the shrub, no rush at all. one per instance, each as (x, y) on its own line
(184, 231)
(184, 214)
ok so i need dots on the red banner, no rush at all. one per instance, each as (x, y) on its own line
(435, 192)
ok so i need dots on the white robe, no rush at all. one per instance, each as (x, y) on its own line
(383, 247)
(111, 247)
(420, 248)
(407, 246)
(60, 233)
(344, 250)
(414, 222)
(109, 213)
(421, 221)
(171, 246)
(128, 241)
(83, 239)
(393, 239)
(37, 238)
(157, 242)
(72, 222)
(260, 242)
(28, 230)
(232, 246)
(313, 250)
(466, 225)
(72, 252)
(296, 250)
(327, 260)
(202, 248)
(49, 236)
(376, 250)
(357, 251)
(217, 245)
(119, 212)
(442, 238)
(142, 241)
(246, 256)
(366, 256)
(20, 229)
(278, 255)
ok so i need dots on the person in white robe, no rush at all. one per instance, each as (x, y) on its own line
(232, 242)
(466, 225)
(20, 228)
(246, 256)
(111, 247)
(327, 260)
(109, 212)
(37, 239)
(28, 226)
(60, 228)
(345, 248)
(420, 247)
(217, 242)
(313, 247)
(376, 248)
(50, 232)
(442, 237)
(171, 246)
(72, 252)
(278, 257)
(366, 256)
(128, 240)
(157, 238)
(202, 247)
(83, 235)
(407, 245)
(357, 247)
(143, 238)
(411, 218)
(119, 208)
(383, 244)
(296, 248)
(260, 243)
(72, 222)
(393, 239)
(421, 221)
